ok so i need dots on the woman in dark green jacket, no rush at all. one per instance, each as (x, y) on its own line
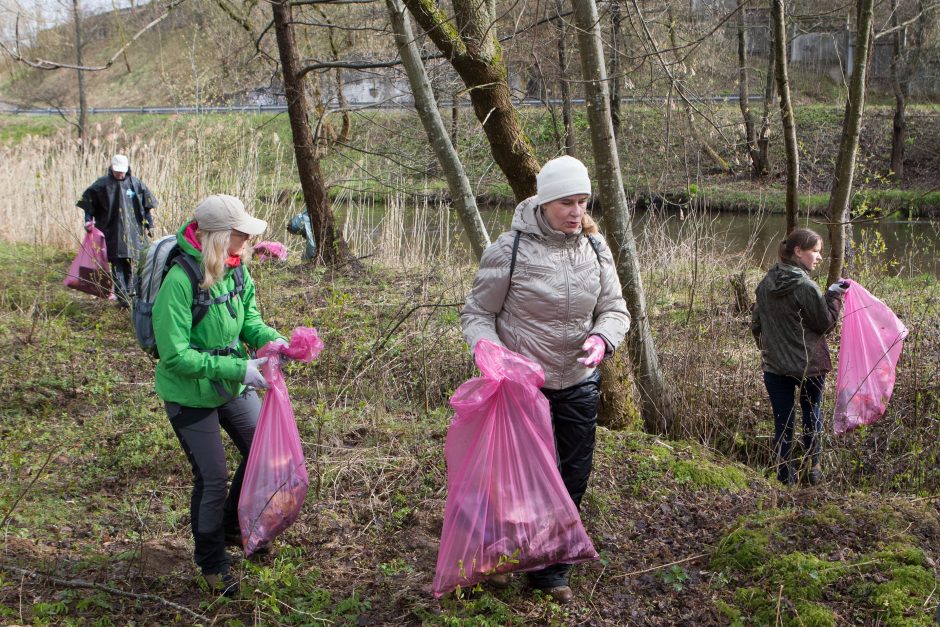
(205, 376)
(790, 323)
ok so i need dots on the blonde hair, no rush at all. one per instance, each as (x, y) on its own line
(588, 225)
(214, 254)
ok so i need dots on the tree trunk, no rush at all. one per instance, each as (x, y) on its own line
(82, 102)
(840, 197)
(656, 405)
(566, 115)
(332, 249)
(425, 104)
(899, 127)
(616, 18)
(763, 137)
(750, 134)
(472, 49)
(786, 113)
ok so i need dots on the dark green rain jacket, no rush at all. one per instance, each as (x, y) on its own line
(791, 320)
(185, 375)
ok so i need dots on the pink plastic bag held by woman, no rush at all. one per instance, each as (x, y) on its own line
(90, 272)
(507, 507)
(872, 337)
(276, 480)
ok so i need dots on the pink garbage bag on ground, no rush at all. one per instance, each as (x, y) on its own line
(507, 507)
(90, 272)
(276, 480)
(872, 338)
(270, 250)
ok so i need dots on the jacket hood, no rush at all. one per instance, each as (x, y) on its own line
(528, 219)
(784, 277)
(185, 245)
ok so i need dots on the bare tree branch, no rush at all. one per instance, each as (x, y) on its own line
(904, 25)
(45, 64)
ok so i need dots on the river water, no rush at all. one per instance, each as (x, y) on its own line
(418, 235)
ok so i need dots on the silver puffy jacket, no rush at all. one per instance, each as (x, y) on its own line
(559, 296)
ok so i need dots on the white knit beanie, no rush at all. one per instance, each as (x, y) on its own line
(560, 177)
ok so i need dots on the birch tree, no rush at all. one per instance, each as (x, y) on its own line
(656, 405)
(426, 105)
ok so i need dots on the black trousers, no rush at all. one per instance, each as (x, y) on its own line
(574, 422)
(213, 509)
(122, 276)
(784, 391)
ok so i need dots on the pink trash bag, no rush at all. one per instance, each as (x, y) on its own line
(276, 480)
(507, 507)
(90, 272)
(270, 250)
(872, 338)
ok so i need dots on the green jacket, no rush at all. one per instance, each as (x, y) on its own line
(185, 375)
(791, 320)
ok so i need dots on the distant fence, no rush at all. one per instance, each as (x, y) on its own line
(280, 108)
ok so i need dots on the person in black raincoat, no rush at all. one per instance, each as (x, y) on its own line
(121, 206)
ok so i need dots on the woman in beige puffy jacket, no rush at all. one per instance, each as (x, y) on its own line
(548, 289)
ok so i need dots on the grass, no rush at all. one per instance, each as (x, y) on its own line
(111, 504)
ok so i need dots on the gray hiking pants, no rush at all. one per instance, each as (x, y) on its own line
(213, 509)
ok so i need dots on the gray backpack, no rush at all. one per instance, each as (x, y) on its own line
(154, 263)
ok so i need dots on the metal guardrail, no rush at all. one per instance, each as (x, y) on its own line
(259, 109)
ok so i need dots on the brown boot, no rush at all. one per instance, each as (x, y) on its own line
(561, 594)
(498, 581)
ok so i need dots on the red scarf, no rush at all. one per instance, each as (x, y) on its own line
(189, 235)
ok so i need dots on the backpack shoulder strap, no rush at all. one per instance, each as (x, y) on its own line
(515, 250)
(597, 248)
(201, 297)
(239, 276)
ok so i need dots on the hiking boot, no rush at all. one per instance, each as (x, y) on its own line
(561, 594)
(498, 581)
(815, 475)
(223, 584)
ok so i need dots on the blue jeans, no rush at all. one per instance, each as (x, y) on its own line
(783, 391)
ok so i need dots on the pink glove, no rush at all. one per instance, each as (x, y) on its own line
(595, 347)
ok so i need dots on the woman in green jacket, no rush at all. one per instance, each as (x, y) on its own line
(790, 323)
(205, 376)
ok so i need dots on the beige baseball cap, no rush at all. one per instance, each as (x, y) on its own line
(119, 163)
(221, 212)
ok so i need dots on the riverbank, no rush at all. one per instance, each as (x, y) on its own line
(388, 155)
(94, 488)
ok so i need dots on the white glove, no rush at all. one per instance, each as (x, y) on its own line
(281, 342)
(839, 287)
(253, 376)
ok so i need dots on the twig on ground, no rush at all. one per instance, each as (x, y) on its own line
(81, 583)
(661, 566)
(9, 514)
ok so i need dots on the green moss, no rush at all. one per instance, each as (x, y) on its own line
(742, 550)
(812, 615)
(904, 595)
(902, 555)
(704, 474)
(802, 576)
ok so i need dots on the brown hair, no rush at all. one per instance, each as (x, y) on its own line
(588, 225)
(806, 239)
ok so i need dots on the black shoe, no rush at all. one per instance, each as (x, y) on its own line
(815, 475)
(223, 584)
